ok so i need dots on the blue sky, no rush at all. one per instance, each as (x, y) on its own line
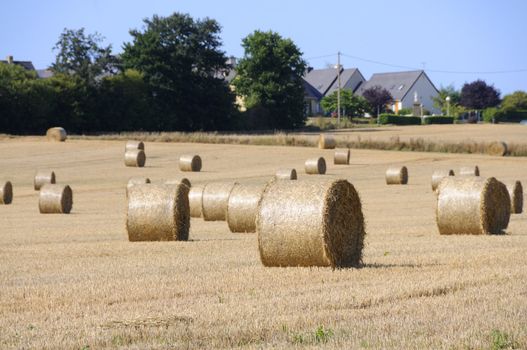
(461, 36)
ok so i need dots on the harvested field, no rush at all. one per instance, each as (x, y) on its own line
(74, 281)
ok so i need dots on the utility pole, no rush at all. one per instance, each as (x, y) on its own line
(338, 89)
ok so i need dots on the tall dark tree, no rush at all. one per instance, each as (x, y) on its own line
(478, 95)
(378, 97)
(269, 77)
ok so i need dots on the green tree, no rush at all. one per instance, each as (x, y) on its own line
(269, 78)
(517, 101)
(351, 105)
(441, 103)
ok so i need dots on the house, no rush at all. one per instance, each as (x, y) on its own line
(404, 87)
(28, 65)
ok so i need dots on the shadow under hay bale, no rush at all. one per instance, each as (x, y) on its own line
(397, 176)
(134, 145)
(472, 205)
(190, 163)
(195, 198)
(342, 156)
(158, 213)
(215, 200)
(136, 180)
(56, 134)
(315, 166)
(6, 192)
(515, 189)
(43, 177)
(310, 223)
(135, 158)
(55, 199)
(498, 148)
(286, 174)
(326, 141)
(179, 180)
(469, 171)
(439, 175)
(243, 207)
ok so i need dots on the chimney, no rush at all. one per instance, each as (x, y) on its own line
(9, 59)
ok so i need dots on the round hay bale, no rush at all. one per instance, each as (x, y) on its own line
(6, 192)
(195, 197)
(190, 163)
(397, 176)
(326, 141)
(315, 166)
(516, 193)
(342, 156)
(133, 145)
(472, 205)
(469, 171)
(439, 175)
(243, 207)
(56, 134)
(215, 200)
(286, 174)
(43, 177)
(158, 213)
(310, 223)
(137, 180)
(498, 148)
(135, 158)
(177, 181)
(55, 199)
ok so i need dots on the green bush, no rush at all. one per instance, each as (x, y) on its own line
(405, 111)
(438, 120)
(398, 120)
(513, 116)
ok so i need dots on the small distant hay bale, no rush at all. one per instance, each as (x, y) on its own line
(55, 199)
(469, 171)
(215, 200)
(136, 180)
(56, 134)
(133, 145)
(190, 163)
(6, 192)
(286, 174)
(397, 176)
(158, 213)
(472, 205)
(326, 141)
(342, 156)
(310, 223)
(315, 166)
(43, 177)
(439, 175)
(135, 158)
(516, 193)
(179, 180)
(242, 207)
(195, 199)
(498, 148)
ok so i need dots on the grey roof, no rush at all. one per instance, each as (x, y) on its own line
(25, 64)
(310, 92)
(397, 83)
(345, 77)
(325, 80)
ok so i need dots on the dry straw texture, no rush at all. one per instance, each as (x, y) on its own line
(516, 193)
(6, 192)
(195, 199)
(56, 134)
(439, 175)
(397, 176)
(135, 158)
(190, 163)
(472, 205)
(243, 207)
(158, 213)
(342, 156)
(498, 148)
(43, 177)
(55, 199)
(179, 180)
(469, 171)
(136, 180)
(286, 174)
(310, 223)
(132, 145)
(315, 166)
(215, 200)
(326, 141)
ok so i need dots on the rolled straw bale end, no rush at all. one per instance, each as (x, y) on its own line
(134, 145)
(195, 197)
(469, 171)
(55, 199)
(43, 177)
(326, 141)
(397, 176)
(135, 158)
(516, 193)
(215, 200)
(498, 148)
(439, 175)
(56, 134)
(242, 207)
(342, 156)
(6, 192)
(315, 166)
(286, 174)
(190, 163)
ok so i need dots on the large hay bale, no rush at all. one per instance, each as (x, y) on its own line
(342, 156)
(195, 199)
(286, 174)
(472, 205)
(397, 176)
(179, 180)
(190, 163)
(55, 199)
(134, 145)
(56, 134)
(135, 158)
(136, 180)
(498, 148)
(158, 213)
(315, 166)
(43, 177)
(310, 223)
(439, 175)
(243, 207)
(516, 193)
(6, 192)
(215, 200)
(469, 171)
(326, 141)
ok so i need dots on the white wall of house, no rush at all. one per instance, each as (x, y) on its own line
(425, 91)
